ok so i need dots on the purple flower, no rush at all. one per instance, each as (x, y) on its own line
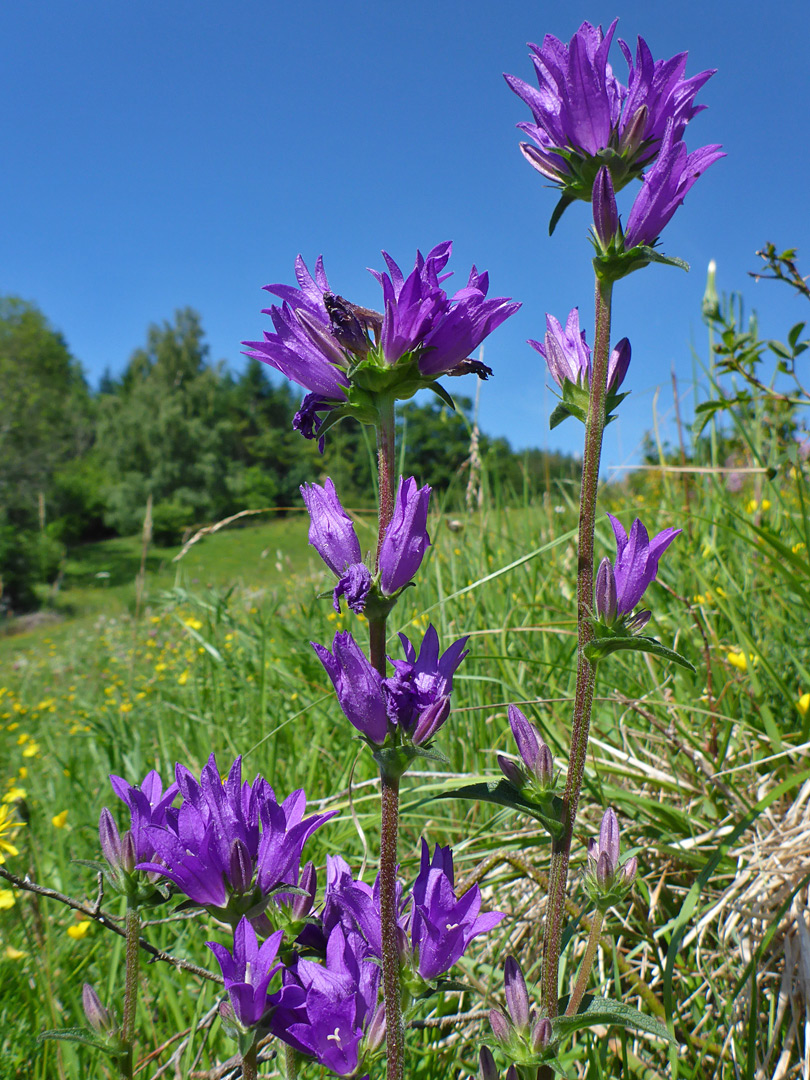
(584, 117)
(442, 926)
(323, 342)
(231, 844)
(415, 699)
(331, 530)
(418, 693)
(358, 686)
(604, 870)
(619, 587)
(247, 971)
(665, 187)
(339, 1004)
(406, 537)
(101, 1020)
(537, 760)
(303, 348)
(148, 805)
(355, 585)
(568, 356)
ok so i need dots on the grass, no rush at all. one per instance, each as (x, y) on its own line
(707, 771)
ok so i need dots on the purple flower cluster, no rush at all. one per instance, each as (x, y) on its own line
(332, 534)
(148, 806)
(606, 878)
(620, 586)
(537, 766)
(230, 844)
(414, 701)
(569, 358)
(320, 339)
(521, 1033)
(584, 116)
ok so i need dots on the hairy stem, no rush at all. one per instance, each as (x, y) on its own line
(394, 1034)
(586, 672)
(133, 953)
(385, 468)
(290, 1063)
(250, 1065)
(586, 965)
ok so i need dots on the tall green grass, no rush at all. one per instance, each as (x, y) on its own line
(698, 766)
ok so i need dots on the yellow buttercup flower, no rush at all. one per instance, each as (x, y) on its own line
(8, 827)
(7, 899)
(14, 793)
(803, 704)
(766, 504)
(738, 660)
(751, 506)
(182, 678)
(31, 750)
(79, 930)
(193, 623)
(59, 820)
(13, 954)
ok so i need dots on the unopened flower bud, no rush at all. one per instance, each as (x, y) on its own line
(629, 869)
(375, 1033)
(517, 996)
(109, 838)
(240, 871)
(129, 853)
(633, 134)
(605, 592)
(487, 1067)
(605, 214)
(541, 1034)
(544, 766)
(501, 1028)
(302, 905)
(99, 1018)
(431, 720)
(512, 771)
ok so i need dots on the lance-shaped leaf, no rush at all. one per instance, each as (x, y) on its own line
(548, 812)
(602, 647)
(607, 1012)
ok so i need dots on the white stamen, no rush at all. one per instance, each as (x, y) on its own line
(335, 1037)
(452, 926)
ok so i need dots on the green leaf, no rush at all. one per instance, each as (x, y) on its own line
(596, 1011)
(503, 793)
(665, 260)
(598, 650)
(440, 392)
(559, 210)
(393, 761)
(561, 412)
(84, 1036)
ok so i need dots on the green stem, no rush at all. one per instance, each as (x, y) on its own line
(290, 1063)
(133, 931)
(394, 1031)
(586, 672)
(389, 801)
(386, 451)
(250, 1064)
(586, 965)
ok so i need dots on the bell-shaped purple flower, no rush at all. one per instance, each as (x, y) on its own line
(247, 971)
(620, 587)
(418, 692)
(665, 187)
(535, 754)
(148, 805)
(358, 686)
(231, 844)
(443, 926)
(581, 110)
(331, 530)
(406, 538)
(569, 358)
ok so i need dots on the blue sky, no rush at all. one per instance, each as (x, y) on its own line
(165, 153)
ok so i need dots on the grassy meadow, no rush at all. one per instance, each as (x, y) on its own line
(708, 771)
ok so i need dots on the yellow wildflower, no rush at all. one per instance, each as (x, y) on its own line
(751, 506)
(31, 750)
(797, 548)
(803, 704)
(79, 931)
(183, 677)
(8, 827)
(59, 820)
(738, 660)
(14, 793)
(766, 504)
(6, 899)
(13, 954)
(23, 772)
(193, 623)
(125, 707)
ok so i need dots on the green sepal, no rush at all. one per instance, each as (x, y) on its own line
(575, 401)
(607, 1012)
(246, 1038)
(548, 811)
(85, 1037)
(604, 646)
(373, 377)
(440, 392)
(393, 761)
(614, 265)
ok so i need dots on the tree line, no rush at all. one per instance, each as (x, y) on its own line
(79, 464)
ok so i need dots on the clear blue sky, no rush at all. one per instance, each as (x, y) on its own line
(165, 153)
